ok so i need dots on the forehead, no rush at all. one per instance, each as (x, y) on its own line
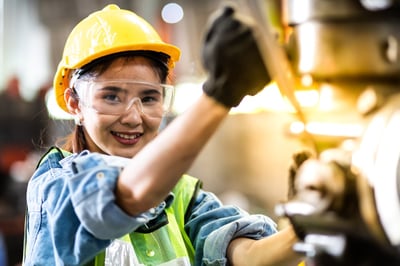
(133, 68)
(125, 86)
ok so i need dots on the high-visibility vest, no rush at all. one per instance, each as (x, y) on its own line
(167, 245)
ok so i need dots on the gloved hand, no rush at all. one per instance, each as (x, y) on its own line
(233, 60)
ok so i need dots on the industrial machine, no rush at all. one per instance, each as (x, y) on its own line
(345, 203)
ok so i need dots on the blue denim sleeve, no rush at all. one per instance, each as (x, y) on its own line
(92, 194)
(71, 210)
(212, 225)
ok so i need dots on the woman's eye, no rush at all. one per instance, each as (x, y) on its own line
(111, 98)
(111, 94)
(151, 99)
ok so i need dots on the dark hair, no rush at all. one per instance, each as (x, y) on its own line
(76, 142)
(159, 62)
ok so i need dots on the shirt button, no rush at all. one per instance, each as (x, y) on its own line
(100, 175)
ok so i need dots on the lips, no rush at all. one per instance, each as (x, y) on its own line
(126, 138)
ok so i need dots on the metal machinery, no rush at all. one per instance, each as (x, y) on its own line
(346, 204)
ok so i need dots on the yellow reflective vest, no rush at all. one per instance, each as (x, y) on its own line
(168, 245)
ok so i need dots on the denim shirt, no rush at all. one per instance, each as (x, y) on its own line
(72, 214)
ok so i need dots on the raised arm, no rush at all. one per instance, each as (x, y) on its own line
(235, 69)
(155, 170)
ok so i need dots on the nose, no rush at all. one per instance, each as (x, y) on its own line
(136, 104)
(133, 113)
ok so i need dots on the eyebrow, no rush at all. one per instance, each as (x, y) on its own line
(145, 91)
(111, 88)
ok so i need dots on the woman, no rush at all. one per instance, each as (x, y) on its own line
(116, 194)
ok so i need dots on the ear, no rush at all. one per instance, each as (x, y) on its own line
(72, 101)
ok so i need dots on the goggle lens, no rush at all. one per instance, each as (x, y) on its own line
(115, 97)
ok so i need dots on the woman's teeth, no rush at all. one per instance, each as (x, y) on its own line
(126, 136)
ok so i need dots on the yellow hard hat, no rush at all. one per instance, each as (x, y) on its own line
(108, 31)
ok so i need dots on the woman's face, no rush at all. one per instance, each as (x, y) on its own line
(127, 133)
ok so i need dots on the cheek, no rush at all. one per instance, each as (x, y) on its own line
(95, 124)
(153, 123)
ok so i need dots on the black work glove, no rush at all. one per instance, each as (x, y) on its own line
(233, 60)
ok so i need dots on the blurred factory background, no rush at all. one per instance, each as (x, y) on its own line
(246, 162)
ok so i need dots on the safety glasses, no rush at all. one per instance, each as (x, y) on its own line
(116, 97)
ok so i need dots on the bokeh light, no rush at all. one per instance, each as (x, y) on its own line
(172, 13)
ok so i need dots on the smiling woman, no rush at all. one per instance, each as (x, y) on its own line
(118, 104)
(116, 193)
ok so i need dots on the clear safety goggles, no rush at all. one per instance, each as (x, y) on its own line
(116, 97)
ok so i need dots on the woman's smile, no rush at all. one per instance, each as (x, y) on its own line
(126, 138)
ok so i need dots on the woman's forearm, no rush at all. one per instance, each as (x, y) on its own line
(155, 170)
(275, 250)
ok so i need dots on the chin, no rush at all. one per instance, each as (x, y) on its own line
(125, 153)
